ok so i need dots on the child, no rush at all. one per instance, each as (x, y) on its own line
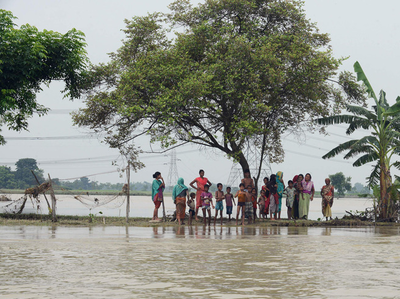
(254, 201)
(228, 201)
(261, 204)
(206, 199)
(248, 208)
(247, 181)
(192, 207)
(273, 196)
(289, 191)
(241, 195)
(219, 197)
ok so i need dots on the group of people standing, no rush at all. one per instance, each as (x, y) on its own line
(299, 193)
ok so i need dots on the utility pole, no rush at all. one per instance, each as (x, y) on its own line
(53, 201)
(128, 206)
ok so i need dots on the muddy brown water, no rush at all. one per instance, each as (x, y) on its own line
(199, 262)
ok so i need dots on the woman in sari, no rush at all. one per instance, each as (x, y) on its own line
(201, 181)
(280, 189)
(179, 194)
(273, 197)
(327, 193)
(306, 196)
(157, 189)
(297, 179)
(267, 201)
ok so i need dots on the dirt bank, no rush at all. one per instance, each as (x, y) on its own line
(45, 220)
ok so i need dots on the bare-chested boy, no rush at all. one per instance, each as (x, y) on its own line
(219, 197)
(248, 208)
(248, 183)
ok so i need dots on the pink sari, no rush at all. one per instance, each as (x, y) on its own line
(201, 182)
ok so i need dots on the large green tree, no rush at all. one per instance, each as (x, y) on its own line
(226, 74)
(30, 58)
(23, 173)
(341, 183)
(379, 145)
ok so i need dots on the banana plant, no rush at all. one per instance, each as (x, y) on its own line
(379, 146)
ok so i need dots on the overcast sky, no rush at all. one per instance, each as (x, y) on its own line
(361, 30)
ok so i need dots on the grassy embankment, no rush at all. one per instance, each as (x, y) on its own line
(98, 220)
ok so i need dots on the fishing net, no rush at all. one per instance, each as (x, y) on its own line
(18, 205)
(90, 201)
(33, 194)
(94, 201)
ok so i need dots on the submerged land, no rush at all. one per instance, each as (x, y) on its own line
(46, 220)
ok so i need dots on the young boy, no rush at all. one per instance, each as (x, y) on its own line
(289, 191)
(228, 201)
(206, 200)
(261, 204)
(248, 209)
(219, 197)
(192, 206)
(241, 195)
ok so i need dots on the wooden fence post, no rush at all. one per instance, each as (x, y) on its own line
(53, 201)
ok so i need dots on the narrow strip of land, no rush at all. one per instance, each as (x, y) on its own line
(45, 220)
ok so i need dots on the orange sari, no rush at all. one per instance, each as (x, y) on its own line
(201, 182)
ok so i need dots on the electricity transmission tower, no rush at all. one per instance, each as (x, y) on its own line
(173, 170)
(252, 155)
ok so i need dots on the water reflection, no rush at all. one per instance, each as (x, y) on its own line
(53, 231)
(220, 232)
(327, 231)
(187, 232)
(297, 230)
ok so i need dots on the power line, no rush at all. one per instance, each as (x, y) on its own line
(311, 156)
(52, 138)
(71, 161)
(89, 175)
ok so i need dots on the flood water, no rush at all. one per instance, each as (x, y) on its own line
(198, 262)
(142, 206)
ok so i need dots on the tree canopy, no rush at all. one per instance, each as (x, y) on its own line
(341, 183)
(227, 74)
(30, 58)
(22, 177)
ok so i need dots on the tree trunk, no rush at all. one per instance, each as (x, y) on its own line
(385, 183)
(243, 162)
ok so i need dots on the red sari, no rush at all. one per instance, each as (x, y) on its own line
(201, 182)
(267, 200)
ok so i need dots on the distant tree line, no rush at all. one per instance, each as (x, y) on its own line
(85, 184)
(23, 178)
